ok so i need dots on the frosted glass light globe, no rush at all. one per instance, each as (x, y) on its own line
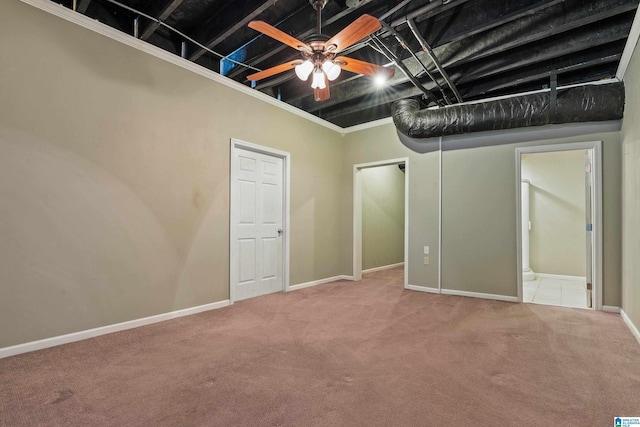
(318, 80)
(331, 69)
(303, 70)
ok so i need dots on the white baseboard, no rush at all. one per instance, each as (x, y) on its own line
(611, 309)
(559, 277)
(423, 289)
(384, 267)
(479, 295)
(462, 293)
(319, 282)
(90, 333)
(633, 328)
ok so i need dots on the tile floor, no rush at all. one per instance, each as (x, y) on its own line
(566, 293)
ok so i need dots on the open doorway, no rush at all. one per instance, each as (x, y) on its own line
(559, 225)
(380, 217)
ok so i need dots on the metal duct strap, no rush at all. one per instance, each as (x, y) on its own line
(588, 103)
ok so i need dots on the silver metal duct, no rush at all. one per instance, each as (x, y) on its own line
(587, 103)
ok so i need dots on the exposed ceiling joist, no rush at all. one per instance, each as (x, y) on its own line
(541, 26)
(260, 49)
(383, 96)
(538, 74)
(450, 33)
(557, 42)
(258, 53)
(83, 6)
(527, 75)
(166, 11)
(486, 47)
(466, 23)
(543, 51)
(241, 18)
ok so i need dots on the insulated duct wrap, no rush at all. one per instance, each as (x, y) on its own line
(588, 103)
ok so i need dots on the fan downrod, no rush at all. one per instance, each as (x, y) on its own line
(318, 5)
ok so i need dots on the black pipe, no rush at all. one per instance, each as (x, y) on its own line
(421, 11)
(398, 63)
(404, 45)
(587, 103)
(426, 48)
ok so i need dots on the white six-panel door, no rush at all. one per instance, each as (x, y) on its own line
(257, 223)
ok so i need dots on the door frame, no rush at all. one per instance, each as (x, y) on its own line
(357, 214)
(286, 205)
(596, 183)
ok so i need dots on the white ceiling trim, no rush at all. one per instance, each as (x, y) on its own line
(363, 126)
(100, 28)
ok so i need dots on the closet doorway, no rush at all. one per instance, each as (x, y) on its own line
(380, 224)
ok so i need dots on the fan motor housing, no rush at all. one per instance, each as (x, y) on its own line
(317, 42)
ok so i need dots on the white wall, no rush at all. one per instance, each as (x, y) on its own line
(557, 211)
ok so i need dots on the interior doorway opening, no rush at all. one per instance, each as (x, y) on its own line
(380, 216)
(560, 225)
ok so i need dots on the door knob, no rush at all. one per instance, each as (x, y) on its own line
(279, 231)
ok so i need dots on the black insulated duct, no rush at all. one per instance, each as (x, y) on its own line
(587, 103)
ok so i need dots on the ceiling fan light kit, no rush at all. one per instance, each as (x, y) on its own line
(318, 80)
(331, 69)
(319, 53)
(304, 69)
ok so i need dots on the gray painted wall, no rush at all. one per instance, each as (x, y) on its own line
(381, 143)
(630, 136)
(479, 204)
(382, 216)
(479, 214)
(557, 211)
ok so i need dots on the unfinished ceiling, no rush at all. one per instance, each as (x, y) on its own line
(443, 51)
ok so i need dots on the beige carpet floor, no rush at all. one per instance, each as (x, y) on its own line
(341, 354)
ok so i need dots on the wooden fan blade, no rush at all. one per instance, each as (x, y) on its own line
(274, 70)
(279, 35)
(357, 30)
(362, 67)
(322, 94)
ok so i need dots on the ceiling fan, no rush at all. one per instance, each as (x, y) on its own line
(319, 52)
